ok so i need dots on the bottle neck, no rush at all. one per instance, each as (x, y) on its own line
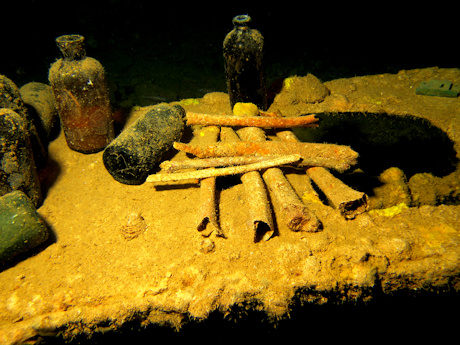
(241, 22)
(71, 47)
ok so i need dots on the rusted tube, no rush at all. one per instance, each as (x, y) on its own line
(348, 201)
(337, 157)
(207, 216)
(297, 215)
(259, 206)
(260, 212)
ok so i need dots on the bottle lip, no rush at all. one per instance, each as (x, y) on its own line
(66, 39)
(241, 20)
(71, 46)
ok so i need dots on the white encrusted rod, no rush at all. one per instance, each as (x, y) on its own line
(200, 163)
(234, 170)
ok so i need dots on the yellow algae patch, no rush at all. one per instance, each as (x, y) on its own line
(309, 197)
(287, 83)
(390, 211)
(189, 101)
(209, 130)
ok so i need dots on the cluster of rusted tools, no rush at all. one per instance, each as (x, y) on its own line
(238, 145)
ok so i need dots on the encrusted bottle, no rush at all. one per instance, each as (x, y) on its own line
(82, 99)
(21, 227)
(136, 151)
(17, 166)
(243, 58)
(11, 98)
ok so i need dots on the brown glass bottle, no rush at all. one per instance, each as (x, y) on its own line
(243, 58)
(82, 99)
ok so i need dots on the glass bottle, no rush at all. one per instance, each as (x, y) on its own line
(21, 227)
(17, 166)
(243, 58)
(82, 99)
(11, 98)
(134, 153)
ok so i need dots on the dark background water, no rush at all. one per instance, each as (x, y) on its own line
(175, 50)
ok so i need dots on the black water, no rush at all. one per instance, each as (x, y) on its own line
(179, 47)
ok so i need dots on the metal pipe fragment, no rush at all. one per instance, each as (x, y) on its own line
(260, 212)
(259, 206)
(251, 121)
(348, 201)
(207, 216)
(296, 214)
(337, 157)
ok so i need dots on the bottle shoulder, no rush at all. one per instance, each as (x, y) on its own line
(86, 68)
(250, 39)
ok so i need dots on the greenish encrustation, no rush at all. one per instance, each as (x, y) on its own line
(21, 228)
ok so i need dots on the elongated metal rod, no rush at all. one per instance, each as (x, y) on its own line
(241, 169)
(197, 163)
(337, 157)
(251, 121)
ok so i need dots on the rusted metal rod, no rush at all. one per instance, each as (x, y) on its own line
(337, 157)
(251, 121)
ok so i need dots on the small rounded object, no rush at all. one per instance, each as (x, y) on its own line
(135, 225)
(207, 246)
(245, 109)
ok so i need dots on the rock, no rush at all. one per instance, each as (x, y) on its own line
(393, 191)
(308, 89)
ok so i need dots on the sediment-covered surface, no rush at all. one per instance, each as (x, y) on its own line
(125, 254)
